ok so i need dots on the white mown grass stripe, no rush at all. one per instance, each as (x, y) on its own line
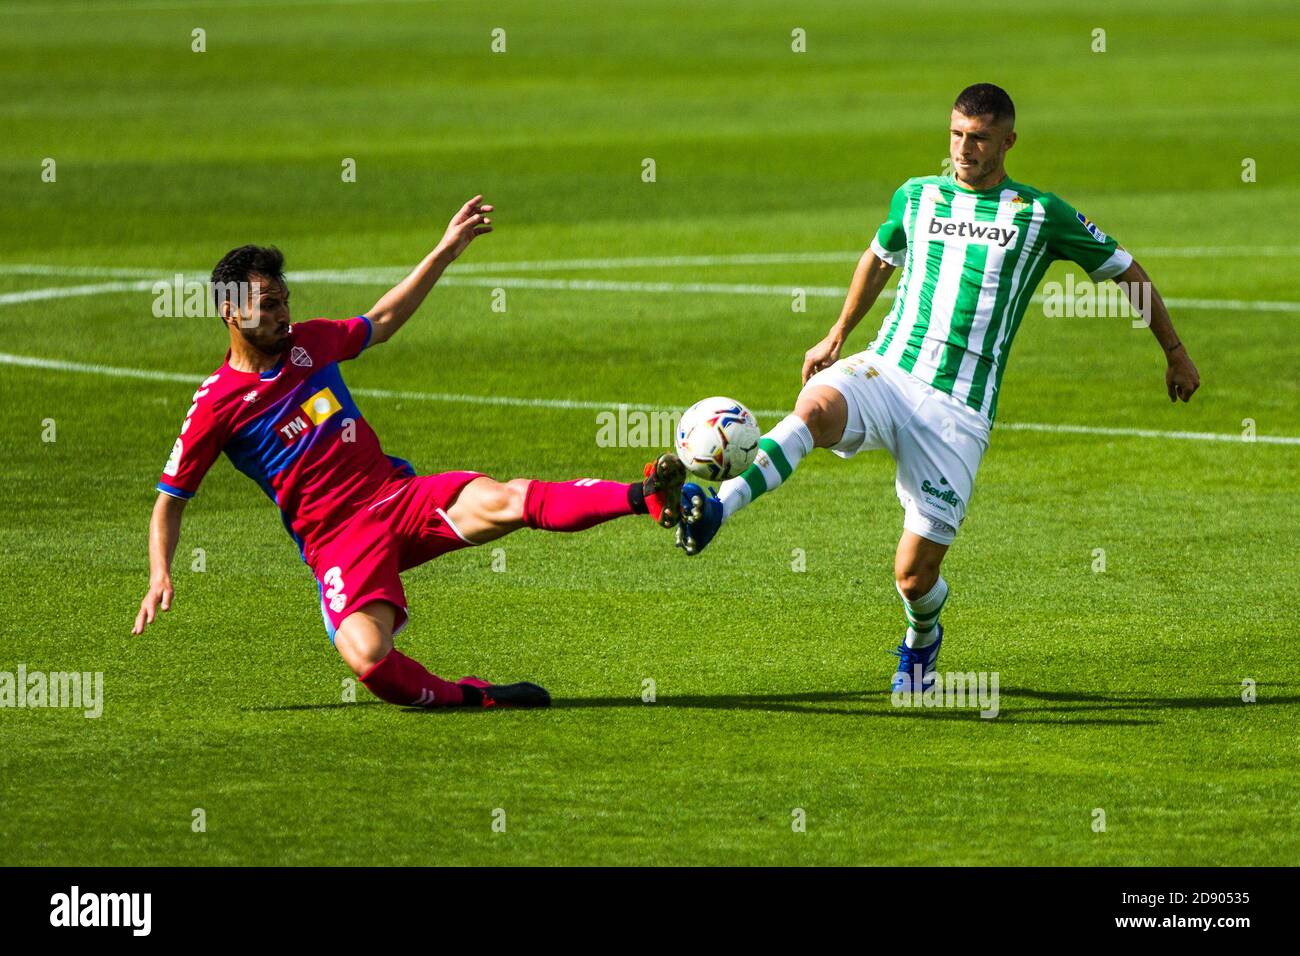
(59, 365)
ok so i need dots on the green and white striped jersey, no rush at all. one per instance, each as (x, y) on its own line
(971, 260)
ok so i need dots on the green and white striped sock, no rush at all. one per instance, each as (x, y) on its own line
(923, 615)
(779, 454)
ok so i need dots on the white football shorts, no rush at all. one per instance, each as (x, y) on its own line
(936, 440)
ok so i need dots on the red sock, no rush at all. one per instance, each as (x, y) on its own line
(576, 505)
(400, 680)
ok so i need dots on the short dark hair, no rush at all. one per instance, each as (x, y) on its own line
(986, 99)
(238, 265)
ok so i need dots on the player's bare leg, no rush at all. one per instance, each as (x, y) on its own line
(916, 565)
(824, 412)
(486, 510)
(818, 421)
(365, 641)
(920, 584)
(366, 636)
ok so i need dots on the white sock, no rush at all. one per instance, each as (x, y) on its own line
(779, 454)
(923, 615)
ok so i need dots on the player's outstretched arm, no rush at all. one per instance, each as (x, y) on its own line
(869, 279)
(1181, 377)
(164, 532)
(400, 302)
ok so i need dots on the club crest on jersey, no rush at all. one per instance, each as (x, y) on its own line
(251, 396)
(298, 356)
(1091, 227)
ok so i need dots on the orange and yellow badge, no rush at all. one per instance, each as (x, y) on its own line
(321, 406)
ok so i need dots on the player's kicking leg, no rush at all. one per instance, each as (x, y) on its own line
(818, 421)
(486, 510)
(476, 512)
(857, 405)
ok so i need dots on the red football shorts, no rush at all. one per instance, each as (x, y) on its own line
(405, 525)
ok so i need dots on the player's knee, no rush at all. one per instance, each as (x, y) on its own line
(508, 500)
(824, 412)
(362, 645)
(499, 503)
(915, 581)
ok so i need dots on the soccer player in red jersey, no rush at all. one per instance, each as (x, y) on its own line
(280, 411)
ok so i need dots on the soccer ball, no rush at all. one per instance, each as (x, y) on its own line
(717, 438)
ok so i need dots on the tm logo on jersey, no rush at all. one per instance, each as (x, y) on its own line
(941, 494)
(312, 412)
(968, 230)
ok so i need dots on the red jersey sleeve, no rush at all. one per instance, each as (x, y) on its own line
(201, 440)
(338, 340)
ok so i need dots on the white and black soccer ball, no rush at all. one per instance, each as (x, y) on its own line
(717, 438)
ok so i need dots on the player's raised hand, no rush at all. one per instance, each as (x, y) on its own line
(159, 595)
(1181, 377)
(470, 221)
(822, 355)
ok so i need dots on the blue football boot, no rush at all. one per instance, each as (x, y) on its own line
(701, 518)
(909, 660)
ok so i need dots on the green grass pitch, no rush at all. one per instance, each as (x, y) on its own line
(1121, 690)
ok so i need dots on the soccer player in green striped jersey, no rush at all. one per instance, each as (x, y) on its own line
(973, 246)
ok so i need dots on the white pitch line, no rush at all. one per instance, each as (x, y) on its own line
(662, 262)
(58, 365)
(790, 258)
(621, 262)
(148, 6)
(1143, 433)
(71, 291)
(93, 272)
(354, 277)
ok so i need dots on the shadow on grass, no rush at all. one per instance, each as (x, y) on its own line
(1121, 701)
(340, 706)
(876, 704)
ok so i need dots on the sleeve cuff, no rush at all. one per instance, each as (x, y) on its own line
(370, 330)
(174, 491)
(893, 258)
(1112, 267)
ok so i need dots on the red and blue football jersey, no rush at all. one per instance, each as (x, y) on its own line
(293, 429)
